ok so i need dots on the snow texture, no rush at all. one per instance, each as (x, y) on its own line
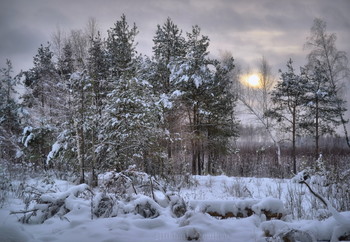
(143, 219)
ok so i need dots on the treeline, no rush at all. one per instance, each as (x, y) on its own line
(99, 105)
(93, 104)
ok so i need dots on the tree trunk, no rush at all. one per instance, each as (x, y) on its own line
(209, 164)
(194, 165)
(93, 161)
(317, 131)
(80, 150)
(293, 142)
(199, 166)
(195, 142)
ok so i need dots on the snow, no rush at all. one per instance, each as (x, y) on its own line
(76, 76)
(202, 194)
(52, 197)
(223, 207)
(164, 100)
(54, 151)
(273, 205)
(176, 93)
(10, 233)
(27, 135)
(197, 80)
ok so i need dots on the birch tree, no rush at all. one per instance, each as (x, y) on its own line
(323, 50)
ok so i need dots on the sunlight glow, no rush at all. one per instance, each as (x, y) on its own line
(251, 80)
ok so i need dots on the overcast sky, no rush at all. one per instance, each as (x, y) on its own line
(248, 29)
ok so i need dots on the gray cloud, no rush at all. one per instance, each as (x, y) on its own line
(248, 29)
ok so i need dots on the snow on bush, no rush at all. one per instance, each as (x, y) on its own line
(48, 205)
(142, 192)
(27, 135)
(56, 147)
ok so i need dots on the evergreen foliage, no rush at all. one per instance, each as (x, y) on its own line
(321, 104)
(9, 114)
(121, 48)
(288, 98)
(66, 63)
(335, 64)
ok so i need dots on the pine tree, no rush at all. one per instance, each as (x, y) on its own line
(121, 49)
(98, 71)
(44, 100)
(80, 106)
(288, 100)
(321, 104)
(66, 62)
(323, 50)
(8, 107)
(190, 75)
(130, 125)
(9, 114)
(43, 86)
(205, 97)
(220, 121)
(98, 74)
(169, 45)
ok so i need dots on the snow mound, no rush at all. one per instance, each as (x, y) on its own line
(13, 234)
(240, 208)
(270, 204)
(326, 230)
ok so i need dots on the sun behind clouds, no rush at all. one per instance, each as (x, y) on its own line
(251, 80)
(254, 81)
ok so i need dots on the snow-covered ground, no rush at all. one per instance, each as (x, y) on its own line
(301, 217)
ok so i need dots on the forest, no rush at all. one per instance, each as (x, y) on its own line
(92, 107)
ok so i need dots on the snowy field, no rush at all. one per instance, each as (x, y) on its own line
(252, 209)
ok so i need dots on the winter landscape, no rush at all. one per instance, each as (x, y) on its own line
(104, 140)
(135, 206)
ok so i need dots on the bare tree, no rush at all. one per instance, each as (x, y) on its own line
(257, 101)
(58, 42)
(91, 30)
(79, 43)
(324, 51)
(267, 81)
